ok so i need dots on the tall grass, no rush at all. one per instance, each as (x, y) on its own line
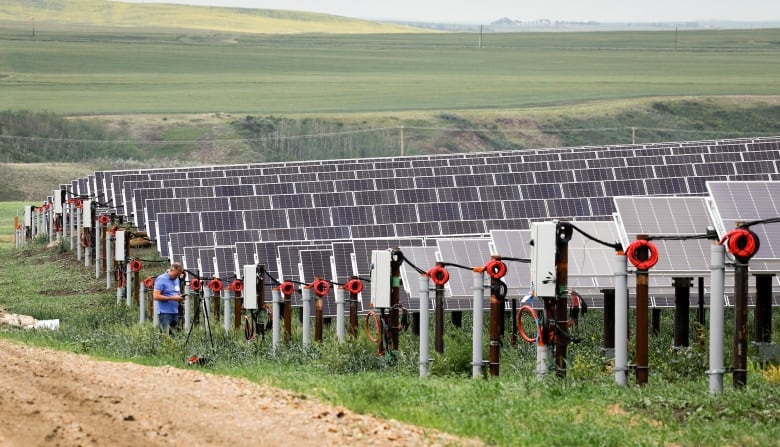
(585, 408)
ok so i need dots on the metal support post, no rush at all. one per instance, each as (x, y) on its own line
(717, 267)
(424, 323)
(682, 307)
(478, 324)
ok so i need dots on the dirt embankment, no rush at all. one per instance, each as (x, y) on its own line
(64, 399)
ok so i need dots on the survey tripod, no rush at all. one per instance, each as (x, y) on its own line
(200, 305)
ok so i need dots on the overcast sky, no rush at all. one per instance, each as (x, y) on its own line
(485, 11)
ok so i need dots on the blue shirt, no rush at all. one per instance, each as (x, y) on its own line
(167, 287)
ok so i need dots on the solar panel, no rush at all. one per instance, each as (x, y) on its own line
(314, 264)
(669, 216)
(225, 262)
(179, 241)
(469, 253)
(168, 223)
(745, 202)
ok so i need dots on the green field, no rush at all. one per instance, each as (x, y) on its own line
(125, 71)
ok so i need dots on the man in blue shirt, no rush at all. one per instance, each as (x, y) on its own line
(167, 293)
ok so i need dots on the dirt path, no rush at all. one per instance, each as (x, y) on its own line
(62, 399)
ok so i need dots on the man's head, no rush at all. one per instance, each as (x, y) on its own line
(175, 270)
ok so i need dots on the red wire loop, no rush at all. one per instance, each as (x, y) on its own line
(321, 287)
(635, 247)
(104, 219)
(521, 330)
(149, 282)
(135, 265)
(196, 284)
(287, 288)
(373, 316)
(439, 275)
(215, 285)
(354, 286)
(742, 243)
(496, 269)
(237, 285)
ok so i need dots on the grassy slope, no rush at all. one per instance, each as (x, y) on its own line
(586, 408)
(150, 16)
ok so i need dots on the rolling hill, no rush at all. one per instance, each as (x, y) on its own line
(205, 18)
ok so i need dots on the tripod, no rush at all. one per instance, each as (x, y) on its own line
(200, 301)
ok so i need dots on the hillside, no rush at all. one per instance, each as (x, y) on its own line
(152, 15)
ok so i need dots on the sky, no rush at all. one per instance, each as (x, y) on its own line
(486, 11)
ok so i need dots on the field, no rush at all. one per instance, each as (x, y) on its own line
(126, 71)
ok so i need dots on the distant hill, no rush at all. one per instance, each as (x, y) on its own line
(159, 15)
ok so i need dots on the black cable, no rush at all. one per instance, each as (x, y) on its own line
(681, 237)
(418, 269)
(617, 246)
(759, 222)
(273, 280)
(445, 264)
(523, 260)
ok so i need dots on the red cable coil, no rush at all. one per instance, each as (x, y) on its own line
(237, 285)
(287, 288)
(149, 282)
(196, 284)
(215, 285)
(439, 275)
(136, 265)
(321, 287)
(634, 247)
(496, 269)
(354, 286)
(742, 243)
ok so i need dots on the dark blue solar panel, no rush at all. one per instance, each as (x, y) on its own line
(568, 208)
(250, 202)
(634, 172)
(674, 171)
(282, 201)
(222, 220)
(749, 177)
(698, 185)
(568, 165)
(523, 209)
(208, 204)
(706, 169)
(336, 175)
(354, 185)
(501, 192)
(417, 229)
(394, 182)
(366, 231)
(451, 170)
(438, 211)
(434, 182)
(532, 158)
(490, 169)
(270, 189)
(308, 217)
(579, 155)
(601, 206)
(455, 227)
(606, 163)
(415, 195)
(474, 180)
(194, 191)
(395, 213)
(582, 189)
(328, 199)
(234, 190)
(507, 224)
(515, 178)
(481, 210)
(665, 186)
(528, 167)
(352, 215)
(383, 196)
(541, 191)
(326, 233)
(764, 155)
(457, 194)
(684, 159)
(722, 157)
(554, 176)
(266, 219)
(282, 234)
(414, 172)
(258, 180)
(634, 187)
(754, 167)
(375, 173)
(313, 186)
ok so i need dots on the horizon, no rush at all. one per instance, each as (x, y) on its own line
(488, 11)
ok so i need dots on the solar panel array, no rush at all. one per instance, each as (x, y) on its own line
(347, 206)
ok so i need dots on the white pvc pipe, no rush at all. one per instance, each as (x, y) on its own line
(79, 229)
(542, 358)
(306, 298)
(130, 285)
(109, 260)
(188, 309)
(276, 298)
(621, 320)
(340, 313)
(717, 267)
(476, 330)
(98, 244)
(142, 305)
(227, 309)
(71, 224)
(424, 324)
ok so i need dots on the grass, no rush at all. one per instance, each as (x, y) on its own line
(586, 408)
(9, 212)
(335, 74)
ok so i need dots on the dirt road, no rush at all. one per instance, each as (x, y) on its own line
(62, 399)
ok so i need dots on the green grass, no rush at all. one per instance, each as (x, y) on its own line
(107, 72)
(9, 211)
(586, 408)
